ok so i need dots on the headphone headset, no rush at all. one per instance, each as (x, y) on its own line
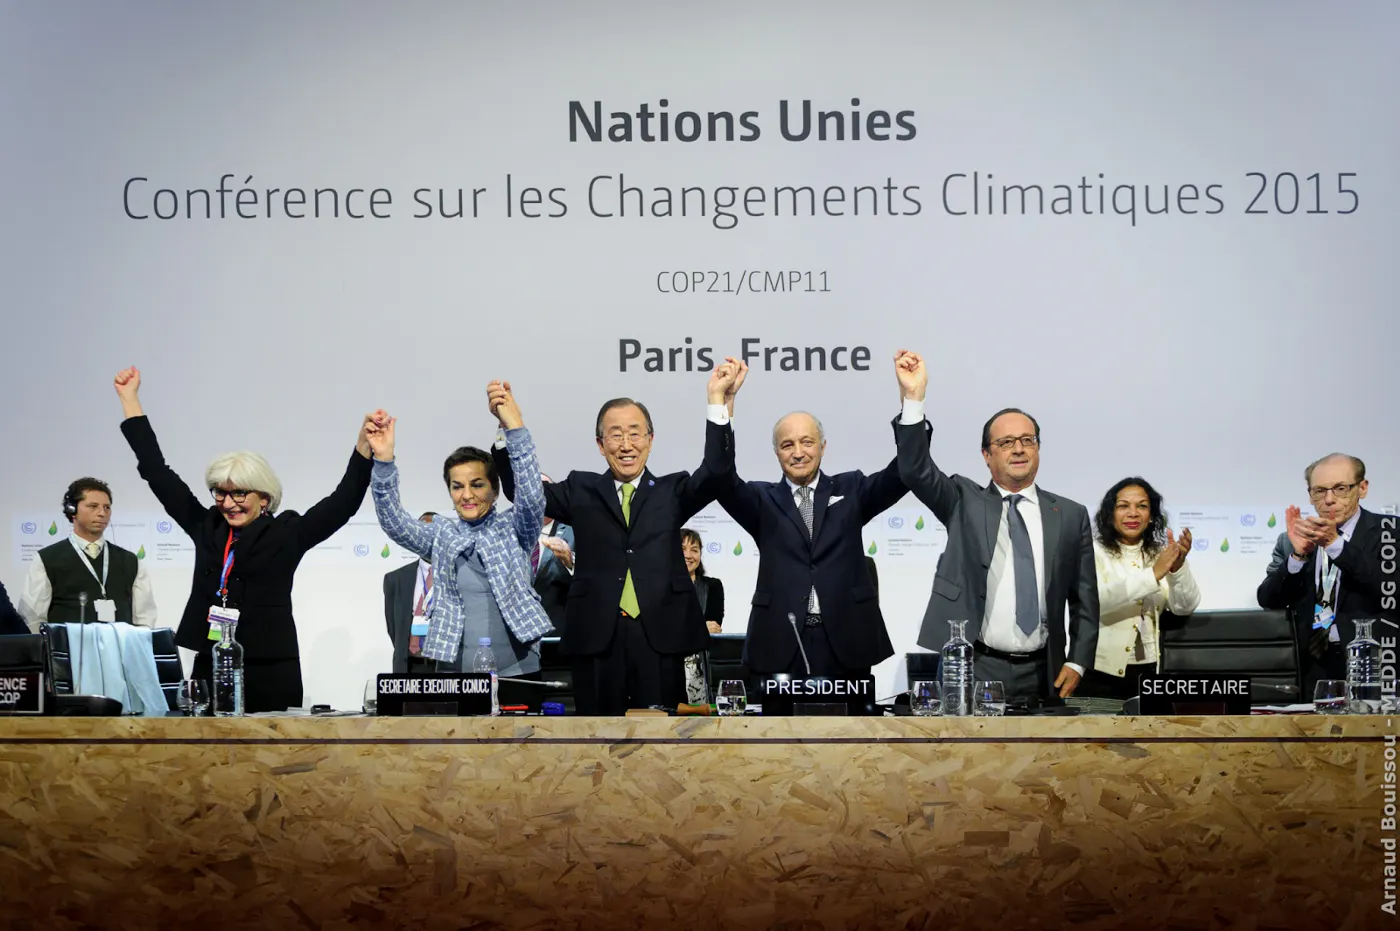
(70, 503)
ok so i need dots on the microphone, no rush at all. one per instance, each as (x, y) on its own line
(792, 619)
(547, 683)
(82, 653)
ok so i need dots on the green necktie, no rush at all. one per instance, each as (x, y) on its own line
(629, 594)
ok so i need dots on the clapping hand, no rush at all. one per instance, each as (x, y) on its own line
(501, 402)
(913, 376)
(1183, 545)
(1298, 532)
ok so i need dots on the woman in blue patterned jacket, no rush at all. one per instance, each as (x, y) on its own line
(480, 562)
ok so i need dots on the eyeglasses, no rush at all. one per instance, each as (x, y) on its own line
(1318, 492)
(615, 439)
(1009, 442)
(238, 494)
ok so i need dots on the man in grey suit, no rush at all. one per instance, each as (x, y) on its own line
(408, 599)
(1017, 555)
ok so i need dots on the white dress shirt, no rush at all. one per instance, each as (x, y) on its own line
(37, 594)
(815, 606)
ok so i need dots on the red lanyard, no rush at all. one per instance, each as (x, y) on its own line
(228, 564)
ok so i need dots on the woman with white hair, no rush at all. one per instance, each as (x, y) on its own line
(246, 552)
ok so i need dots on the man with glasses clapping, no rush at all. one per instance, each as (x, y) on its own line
(1327, 569)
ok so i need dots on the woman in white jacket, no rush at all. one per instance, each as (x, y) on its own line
(1142, 572)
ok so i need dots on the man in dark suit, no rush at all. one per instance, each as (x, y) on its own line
(1328, 570)
(632, 616)
(814, 608)
(1017, 555)
(408, 602)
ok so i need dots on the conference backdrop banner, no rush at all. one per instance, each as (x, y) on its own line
(1166, 230)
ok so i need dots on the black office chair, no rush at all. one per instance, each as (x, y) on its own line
(169, 670)
(1259, 644)
(556, 667)
(727, 662)
(20, 653)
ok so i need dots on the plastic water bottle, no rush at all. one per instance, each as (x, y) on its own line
(957, 671)
(1364, 671)
(228, 672)
(484, 660)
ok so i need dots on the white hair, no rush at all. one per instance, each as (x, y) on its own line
(821, 433)
(248, 471)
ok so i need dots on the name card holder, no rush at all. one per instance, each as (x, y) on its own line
(22, 693)
(788, 696)
(1194, 693)
(453, 694)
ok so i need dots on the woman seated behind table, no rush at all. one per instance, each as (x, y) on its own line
(1142, 571)
(481, 561)
(710, 592)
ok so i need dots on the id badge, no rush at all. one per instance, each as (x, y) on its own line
(418, 628)
(219, 615)
(1323, 618)
(106, 610)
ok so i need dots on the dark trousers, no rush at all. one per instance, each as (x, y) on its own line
(268, 684)
(1024, 679)
(1096, 684)
(820, 657)
(628, 674)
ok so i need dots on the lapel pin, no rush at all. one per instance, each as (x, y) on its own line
(651, 481)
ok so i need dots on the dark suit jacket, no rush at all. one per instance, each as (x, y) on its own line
(832, 559)
(398, 610)
(10, 621)
(710, 591)
(266, 555)
(972, 514)
(1359, 594)
(606, 547)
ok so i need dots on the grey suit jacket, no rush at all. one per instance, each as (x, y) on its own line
(972, 515)
(398, 610)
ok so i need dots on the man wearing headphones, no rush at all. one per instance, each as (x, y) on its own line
(116, 583)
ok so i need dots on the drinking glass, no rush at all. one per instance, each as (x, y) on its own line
(194, 697)
(989, 698)
(731, 697)
(371, 703)
(926, 697)
(1330, 696)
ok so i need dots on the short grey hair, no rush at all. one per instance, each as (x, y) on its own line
(1356, 464)
(248, 471)
(821, 432)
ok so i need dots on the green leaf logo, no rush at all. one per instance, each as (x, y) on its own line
(871, 550)
(1273, 522)
(53, 529)
(385, 552)
(141, 553)
(738, 548)
(919, 524)
(1225, 546)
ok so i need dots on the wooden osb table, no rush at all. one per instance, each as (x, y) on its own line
(893, 823)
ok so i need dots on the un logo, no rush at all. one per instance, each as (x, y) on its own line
(361, 549)
(1202, 545)
(713, 548)
(896, 522)
(163, 526)
(1246, 520)
(29, 527)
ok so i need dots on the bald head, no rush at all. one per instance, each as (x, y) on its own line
(799, 443)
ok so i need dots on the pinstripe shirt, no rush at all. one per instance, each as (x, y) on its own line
(504, 539)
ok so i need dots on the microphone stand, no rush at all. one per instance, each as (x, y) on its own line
(792, 619)
(82, 653)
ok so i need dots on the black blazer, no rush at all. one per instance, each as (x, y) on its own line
(832, 559)
(1360, 594)
(710, 591)
(972, 514)
(605, 547)
(10, 620)
(398, 610)
(266, 555)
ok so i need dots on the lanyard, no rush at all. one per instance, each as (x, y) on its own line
(83, 557)
(1327, 572)
(228, 564)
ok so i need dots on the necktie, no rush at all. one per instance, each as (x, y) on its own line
(1023, 564)
(427, 592)
(629, 594)
(92, 550)
(804, 507)
(535, 559)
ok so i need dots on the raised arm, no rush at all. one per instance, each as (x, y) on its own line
(911, 433)
(528, 514)
(556, 494)
(170, 490)
(402, 527)
(334, 511)
(715, 476)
